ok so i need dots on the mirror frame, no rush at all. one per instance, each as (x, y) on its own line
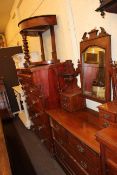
(103, 40)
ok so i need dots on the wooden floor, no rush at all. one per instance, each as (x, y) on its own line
(27, 155)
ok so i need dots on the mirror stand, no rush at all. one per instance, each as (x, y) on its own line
(95, 54)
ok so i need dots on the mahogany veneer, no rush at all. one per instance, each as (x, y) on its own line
(75, 142)
(108, 114)
(108, 144)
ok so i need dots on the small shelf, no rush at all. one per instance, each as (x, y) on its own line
(37, 24)
(108, 6)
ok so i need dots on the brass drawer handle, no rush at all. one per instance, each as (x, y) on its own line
(80, 149)
(106, 116)
(36, 115)
(56, 127)
(61, 142)
(41, 127)
(106, 124)
(83, 164)
(34, 101)
(43, 140)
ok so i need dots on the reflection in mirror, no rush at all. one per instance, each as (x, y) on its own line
(93, 60)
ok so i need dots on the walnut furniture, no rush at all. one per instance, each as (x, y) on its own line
(108, 145)
(108, 114)
(75, 145)
(36, 26)
(57, 105)
(95, 58)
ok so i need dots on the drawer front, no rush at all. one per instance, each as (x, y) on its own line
(35, 102)
(58, 128)
(67, 161)
(61, 139)
(42, 132)
(31, 89)
(76, 146)
(105, 123)
(107, 116)
(25, 78)
(65, 102)
(111, 167)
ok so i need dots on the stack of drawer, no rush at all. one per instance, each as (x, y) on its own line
(35, 104)
(76, 157)
(108, 114)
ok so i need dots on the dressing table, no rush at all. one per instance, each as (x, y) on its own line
(57, 106)
(74, 133)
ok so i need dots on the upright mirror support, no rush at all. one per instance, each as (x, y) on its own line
(95, 65)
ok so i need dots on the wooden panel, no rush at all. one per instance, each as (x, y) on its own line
(78, 125)
(70, 165)
(108, 116)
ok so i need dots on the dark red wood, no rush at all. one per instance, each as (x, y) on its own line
(102, 40)
(35, 26)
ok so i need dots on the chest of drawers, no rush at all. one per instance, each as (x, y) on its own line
(108, 114)
(71, 147)
(41, 89)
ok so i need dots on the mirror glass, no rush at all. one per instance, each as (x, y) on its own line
(93, 61)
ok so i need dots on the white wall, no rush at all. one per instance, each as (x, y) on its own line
(74, 18)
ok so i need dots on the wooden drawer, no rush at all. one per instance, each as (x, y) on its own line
(33, 90)
(35, 102)
(72, 101)
(61, 139)
(42, 132)
(41, 119)
(67, 161)
(44, 136)
(25, 78)
(107, 116)
(58, 128)
(82, 149)
(106, 123)
(111, 168)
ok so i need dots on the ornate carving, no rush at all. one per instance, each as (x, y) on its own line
(113, 73)
(26, 51)
(94, 34)
(69, 74)
(84, 36)
(103, 32)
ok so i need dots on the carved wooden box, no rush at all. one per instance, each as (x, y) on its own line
(72, 101)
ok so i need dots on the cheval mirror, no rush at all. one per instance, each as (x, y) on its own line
(95, 50)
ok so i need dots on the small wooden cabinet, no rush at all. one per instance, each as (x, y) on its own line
(72, 101)
(108, 114)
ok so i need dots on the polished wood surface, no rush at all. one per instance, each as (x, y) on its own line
(35, 26)
(75, 145)
(79, 124)
(108, 137)
(4, 160)
(37, 23)
(110, 107)
(108, 114)
(108, 144)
